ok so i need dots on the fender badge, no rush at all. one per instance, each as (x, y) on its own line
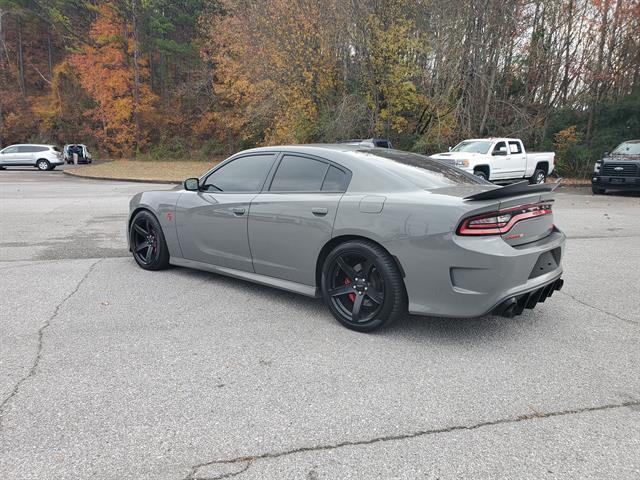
(169, 216)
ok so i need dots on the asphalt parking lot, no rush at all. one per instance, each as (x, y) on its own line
(108, 371)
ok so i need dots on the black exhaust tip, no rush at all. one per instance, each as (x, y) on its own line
(513, 306)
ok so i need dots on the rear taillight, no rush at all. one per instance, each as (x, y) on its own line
(500, 222)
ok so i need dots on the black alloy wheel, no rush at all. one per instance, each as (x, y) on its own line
(362, 286)
(147, 242)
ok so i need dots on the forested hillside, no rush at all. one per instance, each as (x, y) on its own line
(201, 77)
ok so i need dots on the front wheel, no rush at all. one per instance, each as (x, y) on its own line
(481, 174)
(539, 176)
(147, 242)
(362, 286)
(43, 165)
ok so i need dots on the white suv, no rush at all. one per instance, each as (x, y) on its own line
(43, 157)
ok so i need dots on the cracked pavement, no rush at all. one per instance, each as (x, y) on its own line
(108, 371)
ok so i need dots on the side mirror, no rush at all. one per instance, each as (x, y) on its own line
(500, 151)
(192, 184)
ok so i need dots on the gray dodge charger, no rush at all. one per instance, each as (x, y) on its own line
(375, 232)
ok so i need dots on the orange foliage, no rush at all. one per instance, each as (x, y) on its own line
(106, 72)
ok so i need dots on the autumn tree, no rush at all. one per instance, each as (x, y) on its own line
(115, 79)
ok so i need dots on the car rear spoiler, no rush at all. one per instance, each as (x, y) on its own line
(514, 189)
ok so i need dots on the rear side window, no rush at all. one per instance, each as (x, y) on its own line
(299, 174)
(335, 180)
(514, 147)
(244, 174)
(32, 149)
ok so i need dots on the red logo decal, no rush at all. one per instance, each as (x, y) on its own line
(169, 216)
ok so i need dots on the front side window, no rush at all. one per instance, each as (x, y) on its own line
(10, 150)
(244, 174)
(500, 149)
(299, 174)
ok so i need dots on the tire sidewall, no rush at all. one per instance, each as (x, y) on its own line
(390, 296)
(481, 174)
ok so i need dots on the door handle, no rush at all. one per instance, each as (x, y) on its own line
(319, 211)
(238, 211)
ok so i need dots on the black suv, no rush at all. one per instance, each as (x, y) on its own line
(619, 169)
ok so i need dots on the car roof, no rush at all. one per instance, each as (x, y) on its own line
(363, 161)
(490, 139)
(30, 145)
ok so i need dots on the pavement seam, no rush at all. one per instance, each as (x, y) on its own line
(626, 320)
(249, 459)
(36, 362)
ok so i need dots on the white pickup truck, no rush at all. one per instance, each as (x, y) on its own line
(498, 159)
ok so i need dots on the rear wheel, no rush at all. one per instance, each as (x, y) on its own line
(147, 242)
(43, 164)
(597, 190)
(539, 176)
(362, 286)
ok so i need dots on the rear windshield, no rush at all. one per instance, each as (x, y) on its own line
(422, 171)
(627, 148)
(472, 146)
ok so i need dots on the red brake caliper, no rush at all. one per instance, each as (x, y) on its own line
(352, 296)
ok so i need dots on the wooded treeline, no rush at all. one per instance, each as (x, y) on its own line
(202, 77)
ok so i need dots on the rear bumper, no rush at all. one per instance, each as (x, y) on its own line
(615, 182)
(472, 277)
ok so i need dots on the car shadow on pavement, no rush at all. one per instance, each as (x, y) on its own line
(413, 327)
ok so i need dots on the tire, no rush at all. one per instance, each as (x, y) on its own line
(362, 286)
(43, 165)
(597, 190)
(147, 242)
(481, 174)
(539, 176)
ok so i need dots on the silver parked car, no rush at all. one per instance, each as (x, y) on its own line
(43, 157)
(373, 231)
